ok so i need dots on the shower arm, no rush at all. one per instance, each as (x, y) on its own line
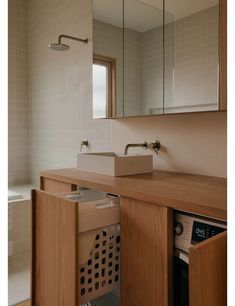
(85, 41)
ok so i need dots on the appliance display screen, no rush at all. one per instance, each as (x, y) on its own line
(202, 231)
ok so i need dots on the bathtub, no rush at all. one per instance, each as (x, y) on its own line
(19, 242)
(19, 193)
(19, 222)
(19, 226)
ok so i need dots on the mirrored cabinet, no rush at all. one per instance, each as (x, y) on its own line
(155, 57)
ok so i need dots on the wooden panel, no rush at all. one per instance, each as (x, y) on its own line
(55, 253)
(145, 254)
(223, 55)
(193, 193)
(208, 272)
(54, 186)
(27, 303)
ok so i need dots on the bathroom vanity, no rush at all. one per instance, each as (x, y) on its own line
(147, 203)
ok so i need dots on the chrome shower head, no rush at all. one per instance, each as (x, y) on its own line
(63, 47)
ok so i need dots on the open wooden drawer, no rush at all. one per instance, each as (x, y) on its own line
(68, 241)
(208, 272)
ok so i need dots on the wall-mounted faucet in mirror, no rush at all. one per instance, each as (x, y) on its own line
(156, 56)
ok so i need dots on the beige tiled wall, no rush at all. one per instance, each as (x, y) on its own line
(18, 93)
(61, 89)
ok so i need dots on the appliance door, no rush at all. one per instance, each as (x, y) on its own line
(181, 279)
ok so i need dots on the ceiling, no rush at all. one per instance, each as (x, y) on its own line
(143, 15)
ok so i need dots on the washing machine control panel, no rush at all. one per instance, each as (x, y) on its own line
(192, 229)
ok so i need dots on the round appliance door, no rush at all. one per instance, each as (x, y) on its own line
(181, 279)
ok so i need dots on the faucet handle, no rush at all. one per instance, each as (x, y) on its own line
(84, 143)
(145, 145)
(155, 145)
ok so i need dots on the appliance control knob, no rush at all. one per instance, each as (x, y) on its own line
(178, 229)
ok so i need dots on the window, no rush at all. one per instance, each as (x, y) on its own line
(104, 74)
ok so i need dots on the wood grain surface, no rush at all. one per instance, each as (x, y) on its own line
(208, 272)
(54, 250)
(193, 193)
(145, 244)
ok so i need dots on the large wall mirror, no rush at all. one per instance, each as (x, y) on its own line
(155, 57)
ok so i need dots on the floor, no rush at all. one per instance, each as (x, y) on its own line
(109, 299)
(19, 288)
(27, 303)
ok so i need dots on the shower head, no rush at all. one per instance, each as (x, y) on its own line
(59, 47)
(63, 47)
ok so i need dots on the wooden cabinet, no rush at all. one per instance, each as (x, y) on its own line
(146, 222)
(207, 272)
(146, 254)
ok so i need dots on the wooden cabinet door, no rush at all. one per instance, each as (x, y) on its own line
(54, 250)
(208, 272)
(146, 254)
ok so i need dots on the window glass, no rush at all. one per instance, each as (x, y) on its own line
(99, 91)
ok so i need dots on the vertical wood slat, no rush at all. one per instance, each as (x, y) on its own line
(208, 272)
(223, 55)
(55, 264)
(146, 255)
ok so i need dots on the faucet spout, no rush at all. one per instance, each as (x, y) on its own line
(134, 145)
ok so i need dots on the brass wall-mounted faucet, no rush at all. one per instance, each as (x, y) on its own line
(84, 143)
(155, 145)
(134, 145)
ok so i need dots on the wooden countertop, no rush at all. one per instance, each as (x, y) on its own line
(193, 193)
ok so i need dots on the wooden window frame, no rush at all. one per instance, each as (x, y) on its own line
(110, 64)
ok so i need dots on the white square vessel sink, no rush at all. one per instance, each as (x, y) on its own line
(110, 163)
